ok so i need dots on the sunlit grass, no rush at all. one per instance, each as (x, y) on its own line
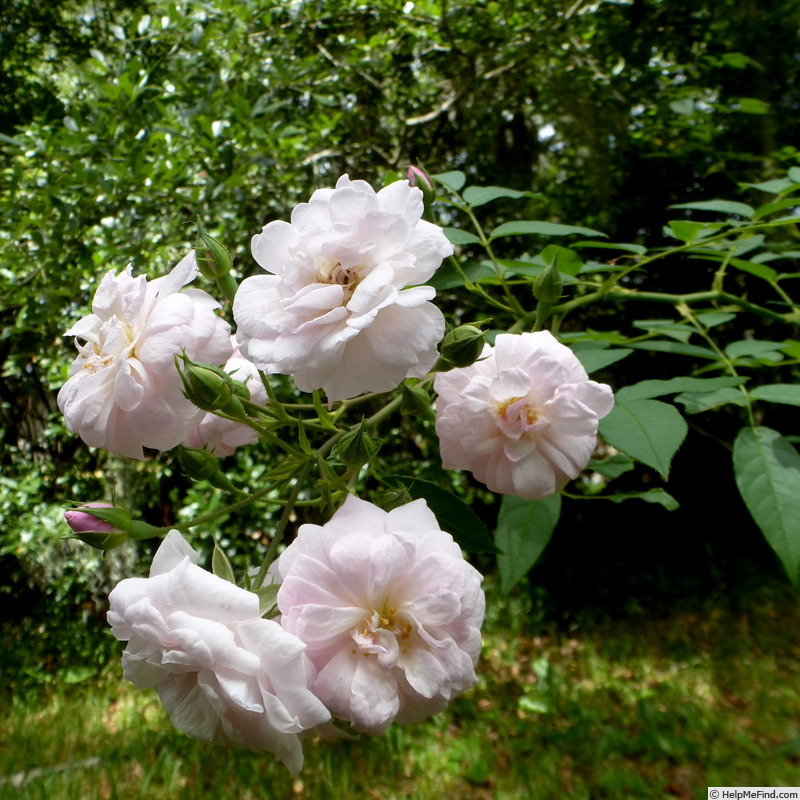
(644, 707)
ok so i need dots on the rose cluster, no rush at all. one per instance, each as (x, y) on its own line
(378, 614)
(380, 619)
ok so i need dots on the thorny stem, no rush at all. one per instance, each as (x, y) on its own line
(487, 246)
(619, 294)
(611, 291)
(299, 477)
(286, 515)
(643, 262)
(212, 515)
(687, 314)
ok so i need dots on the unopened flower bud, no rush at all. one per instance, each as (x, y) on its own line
(393, 497)
(417, 401)
(417, 177)
(213, 259)
(209, 387)
(548, 285)
(104, 527)
(203, 466)
(461, 347)
(356, 447)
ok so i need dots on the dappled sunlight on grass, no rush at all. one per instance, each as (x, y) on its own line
(637, 707)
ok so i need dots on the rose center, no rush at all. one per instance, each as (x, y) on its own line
(368, 637)
(526, 414)
(116, 339)
(334, 272)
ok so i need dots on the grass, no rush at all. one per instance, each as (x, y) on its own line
(651, 707)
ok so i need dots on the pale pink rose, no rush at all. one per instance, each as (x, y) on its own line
(524, 419)
(223, 673)
(344, 309)
(124, 392)
(389, 610)
(222, 436)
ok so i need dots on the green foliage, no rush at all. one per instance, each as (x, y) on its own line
(455, 516)
(524, 528)
(122, 124)
(768, 476)
(648, 430)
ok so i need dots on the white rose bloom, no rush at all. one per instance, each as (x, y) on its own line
(523, 419)
(389, 609)
(124, 391)
(344, 309)
(223, 673)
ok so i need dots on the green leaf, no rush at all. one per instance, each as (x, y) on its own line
(656, 388)
(787, 393)
(713, 318)
(613, 466)
(648, 430)
(478, 195)
(454, 515)
(684, 106)
(628, 248)
(754, 348)
(651, 496)
(524, 528)
(530, 269)
(777, 205)
(221, 565)
(687, 231)
(11, 140)
(750, 105)
(457, 236)
(767, 470)
(566, 260)
(745, 244)
(595, 358)
(73, 675)
(448, 277)
(758, 270)
(775, 186)
(695, 402)
(267, 598)
(675, 347)
(452, 180)
(791, 348)
(667, 327)
(721, 206)
(739, 61)
(538, 228)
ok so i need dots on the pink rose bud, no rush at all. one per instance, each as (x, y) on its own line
(82, 522)
(106, 530)
(417, 177)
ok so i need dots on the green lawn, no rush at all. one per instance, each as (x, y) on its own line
(641, 707)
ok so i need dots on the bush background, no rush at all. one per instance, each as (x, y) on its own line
(120, 122)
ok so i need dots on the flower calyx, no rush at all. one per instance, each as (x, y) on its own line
(461, 347)
(357, 447)
(416, 400)
(200, 465)
(548, 286)
(211, 388)
(213, 259)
